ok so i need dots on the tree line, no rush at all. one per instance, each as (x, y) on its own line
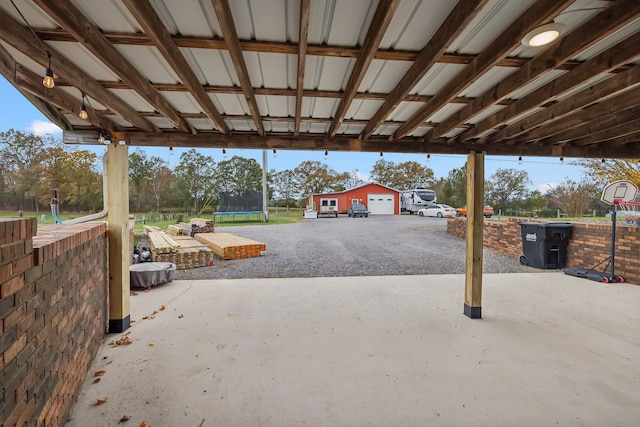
(31, 166)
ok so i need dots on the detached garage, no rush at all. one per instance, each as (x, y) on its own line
(379, 199)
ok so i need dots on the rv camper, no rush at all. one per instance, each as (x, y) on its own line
(413, 200)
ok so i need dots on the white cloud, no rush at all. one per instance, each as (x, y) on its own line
(545, 188)
(363, 177)
(41, 128)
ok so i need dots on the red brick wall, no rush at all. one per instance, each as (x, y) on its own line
(53, 316)
(589, 244)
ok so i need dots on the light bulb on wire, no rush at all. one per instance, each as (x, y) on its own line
(562, 160)
(83, 110)
(275, 153)
(520, 160)
(224, 153)
(171, 151)
(48, 81)
(428, 158)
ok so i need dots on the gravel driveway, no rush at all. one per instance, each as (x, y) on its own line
(374, 246)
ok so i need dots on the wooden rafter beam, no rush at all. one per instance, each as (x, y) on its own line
(303, 35)
(593, 118)
(617, 130)
(379, 24)
(453, 25)
(289, 119)
(146, 16)
(595, 123)
(32, 83)
(9, 69)
(87, 33)
(308, 93)
(225, 19)
(540, 12)
(628, 149)
(591, 32)
(541, 124)
(216, 43)
(22, 39)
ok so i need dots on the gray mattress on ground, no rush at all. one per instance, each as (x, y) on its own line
(148, 274)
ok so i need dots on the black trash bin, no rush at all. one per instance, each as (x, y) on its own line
(544, 244)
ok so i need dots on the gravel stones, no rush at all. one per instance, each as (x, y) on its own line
(334, 247)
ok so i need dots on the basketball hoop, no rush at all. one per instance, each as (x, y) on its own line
(630, 210)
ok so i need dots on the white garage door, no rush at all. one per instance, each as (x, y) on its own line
(382, 204)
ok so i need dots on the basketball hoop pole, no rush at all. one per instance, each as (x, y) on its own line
(613, 240)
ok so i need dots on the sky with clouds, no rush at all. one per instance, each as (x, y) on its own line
(544, 172)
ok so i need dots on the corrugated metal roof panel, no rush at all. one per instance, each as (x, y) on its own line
(24, 60)
(383, 76)
(454, 132)
(183, 102)
(444, 112)
(350, 129)
(585, 85)
(277, 106)
(241, 125)
(363, 109)
(523, 115)
(215, 65)
(150, 62)
(201, 124)
(35, 17)
(272, 70)
(386, 130)
(132, 98)
(438, 76)
(229, 103)
(415, 23)
(603, 45)
(535, 84)
(404, 111)
(109, 16)
(161, 122)
(328, 73)
(487, 81)
(486, 113)
(319, 107)
(118, 120)
(280, 127)
(421, 130)
(572, 17)
(196, 18)
(488, 24)
(80, 56)
(342, 23)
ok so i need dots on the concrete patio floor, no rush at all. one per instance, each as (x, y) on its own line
(551, 349)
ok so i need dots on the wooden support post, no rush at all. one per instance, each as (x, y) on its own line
(118, 231)
(475, 224)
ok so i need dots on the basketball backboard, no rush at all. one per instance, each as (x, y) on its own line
(622, 190)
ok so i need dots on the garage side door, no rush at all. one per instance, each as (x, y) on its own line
(381, 204)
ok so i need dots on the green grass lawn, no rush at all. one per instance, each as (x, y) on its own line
(281, 216)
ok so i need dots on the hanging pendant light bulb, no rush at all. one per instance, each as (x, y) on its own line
(381, 154)
(224, 153)
(101, 137)
(562, 160)
(326, 154)
(520, 160)
(83, 110)
(171, 151)
(428, 158)
(48, 81)
(275, 153)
